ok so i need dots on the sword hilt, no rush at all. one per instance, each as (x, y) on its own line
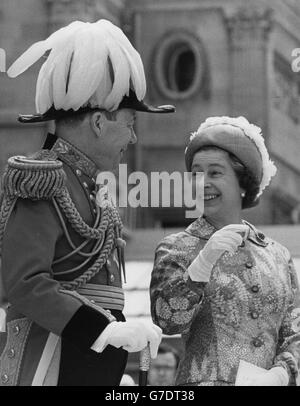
(145, 359)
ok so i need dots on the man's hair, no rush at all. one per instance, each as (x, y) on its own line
(165, 348)
(76, 119)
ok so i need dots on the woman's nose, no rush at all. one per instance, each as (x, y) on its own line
(207, 183)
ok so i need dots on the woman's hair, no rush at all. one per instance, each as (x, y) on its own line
(246, 179)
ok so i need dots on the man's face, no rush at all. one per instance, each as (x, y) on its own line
(163, 370)
(115, 136)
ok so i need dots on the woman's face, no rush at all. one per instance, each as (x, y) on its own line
(222, 193)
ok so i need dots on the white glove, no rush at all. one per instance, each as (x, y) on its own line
(228, 238)
(133, 336)
(276, 376)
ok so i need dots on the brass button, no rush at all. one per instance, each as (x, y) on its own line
(11, 353)
(112, 278)
(16, 330)
(249, 265)
(92, 197)
(93, 301)
(254, 315)
(4, 378)
(78, 172)
(108, 263)
(255, 288)
(85, 185)
(257, 342)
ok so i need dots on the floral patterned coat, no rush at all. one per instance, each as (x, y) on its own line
(248, 311)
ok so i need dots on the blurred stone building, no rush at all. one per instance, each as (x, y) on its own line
(208, 57)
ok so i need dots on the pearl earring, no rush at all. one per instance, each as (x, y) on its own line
(243, 194)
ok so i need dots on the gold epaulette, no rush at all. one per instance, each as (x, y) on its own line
(40, 176)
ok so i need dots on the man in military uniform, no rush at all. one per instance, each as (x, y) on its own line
(60, 235)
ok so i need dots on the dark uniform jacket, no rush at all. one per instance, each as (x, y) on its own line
(35, 240)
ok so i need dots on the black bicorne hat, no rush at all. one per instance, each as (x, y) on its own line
(128, 102)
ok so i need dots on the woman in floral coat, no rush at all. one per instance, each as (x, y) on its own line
(228, 289)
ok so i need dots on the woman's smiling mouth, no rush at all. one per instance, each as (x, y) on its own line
(210, 197)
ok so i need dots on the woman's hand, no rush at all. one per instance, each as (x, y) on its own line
(228, 238)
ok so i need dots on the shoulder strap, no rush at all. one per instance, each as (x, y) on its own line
(38, 177)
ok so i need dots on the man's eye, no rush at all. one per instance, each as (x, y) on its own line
(216, 173)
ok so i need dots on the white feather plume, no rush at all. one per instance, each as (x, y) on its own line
(133, 57)
(33, 54)
(88, 66)
(43, 94)
(77, 71)
(121, 73)
(38, 49)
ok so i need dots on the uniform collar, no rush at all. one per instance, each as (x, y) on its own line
(201, 228)
(73, 157)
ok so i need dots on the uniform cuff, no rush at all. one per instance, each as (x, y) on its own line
(85, 327)
(101, 342)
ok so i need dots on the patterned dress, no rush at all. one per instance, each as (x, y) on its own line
(249, 310)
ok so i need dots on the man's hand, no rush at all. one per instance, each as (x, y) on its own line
(132, 336)
(228, 238)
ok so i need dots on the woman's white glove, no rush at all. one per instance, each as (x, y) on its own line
(276, 376)
(133, 336)
(228, 238)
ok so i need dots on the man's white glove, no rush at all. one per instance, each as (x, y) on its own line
(228, 238)
(276, 376)
(133, 336)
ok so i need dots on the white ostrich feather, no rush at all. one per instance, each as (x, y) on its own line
(38, 49)
(83, 75)
(134, 59)
(43, 94)
(251, 131)
(77, 70)
(33, 54)
(102, 90)
(121, 70)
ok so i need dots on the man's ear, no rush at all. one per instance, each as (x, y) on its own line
(97, 121)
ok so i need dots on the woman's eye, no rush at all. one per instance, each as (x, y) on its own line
(216, 173)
